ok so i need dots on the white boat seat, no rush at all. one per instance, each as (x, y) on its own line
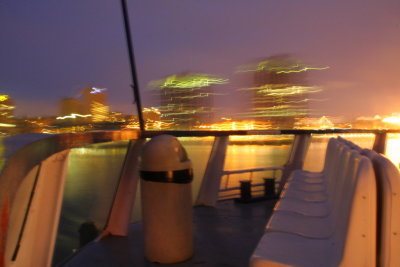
(275, 248)
(305, 196)
(388, 178)
(339, 229)
(306, 226)
(315, 209)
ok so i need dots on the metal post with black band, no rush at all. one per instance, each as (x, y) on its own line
(166, 176)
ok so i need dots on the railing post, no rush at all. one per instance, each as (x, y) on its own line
(380, 142)
(245, 190)
(208, 194)
(296, 158)
(227, 181)
(125, 196)
(269, 187)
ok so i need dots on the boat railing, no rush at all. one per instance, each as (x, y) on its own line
(227, 191)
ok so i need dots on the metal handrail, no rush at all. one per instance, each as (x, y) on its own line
(148, 134)
(254, 170)
(23, 160)
(227, 173)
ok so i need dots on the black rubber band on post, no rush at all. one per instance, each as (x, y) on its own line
(178, 177)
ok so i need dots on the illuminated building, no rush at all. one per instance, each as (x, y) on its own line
(94, 103)
(69, 106)
(7, 108)
(35, 125)
(314, 123)
(70, 111)
(151, 114)
(186, 100)
(90, 107)
(116, 117)
(378, 122)
(392, 122)
(280, 93)
(152, 118)
(364, 122)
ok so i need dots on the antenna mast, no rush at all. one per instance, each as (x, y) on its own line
(135, 85)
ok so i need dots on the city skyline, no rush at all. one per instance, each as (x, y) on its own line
(90, 111)
(50, 50)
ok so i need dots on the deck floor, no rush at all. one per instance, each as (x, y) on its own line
(223, 236)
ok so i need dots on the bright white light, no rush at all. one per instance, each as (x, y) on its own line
(73, 116)
(96, 90)
(393, 119)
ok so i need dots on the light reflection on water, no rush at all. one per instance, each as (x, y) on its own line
(316, 152)
(89, 190)
(393, 148)
(253, 156)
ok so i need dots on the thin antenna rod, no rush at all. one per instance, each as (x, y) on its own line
(135, 85)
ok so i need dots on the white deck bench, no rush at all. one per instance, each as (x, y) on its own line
(326, 218)
(388, 181)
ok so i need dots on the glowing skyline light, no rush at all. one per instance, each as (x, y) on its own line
(151, 109)
(395, 119)
(4, 97)
(288, 90)
(8, 125)
(303, 69)
(189, 81)
(96, 90)
(73, 116)
(279, 67)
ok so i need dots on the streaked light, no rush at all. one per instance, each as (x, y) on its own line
(189, 81)
(8, 125)
(236, 125)
(73, 116)
(279, 66)
(301, 70)
(284, 91)
(96, 90)
(4, 97)
(151, 109)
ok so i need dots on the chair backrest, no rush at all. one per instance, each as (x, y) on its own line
(344, 187)
(349, 144)
(339, 169)
(359, 215)
(330, 155)
(388, 181)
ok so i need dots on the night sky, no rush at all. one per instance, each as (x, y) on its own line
(50, 49)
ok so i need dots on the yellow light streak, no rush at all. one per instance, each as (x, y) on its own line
(301, 70)
(8, 125)
(284, 91)
(151, 109)
(279, 67)
(236, 125)
(4, 97)
(189, 81)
